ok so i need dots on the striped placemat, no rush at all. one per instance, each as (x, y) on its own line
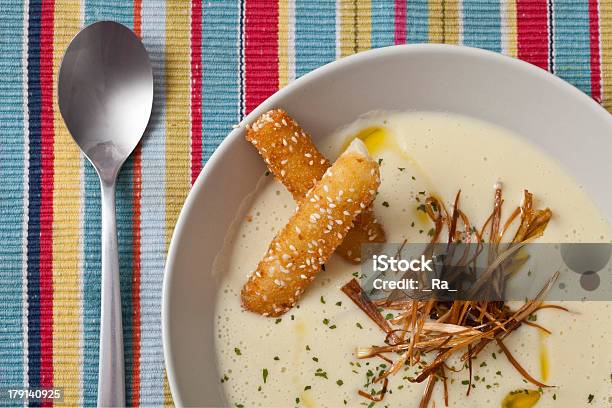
(213, 63)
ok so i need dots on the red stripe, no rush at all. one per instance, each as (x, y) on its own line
(400, 21)
(136, 199)
(196, 89)
(532, 31)
(261, 51)
(46, 211)
(595, 55)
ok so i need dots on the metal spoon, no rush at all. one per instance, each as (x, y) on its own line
(105, 96)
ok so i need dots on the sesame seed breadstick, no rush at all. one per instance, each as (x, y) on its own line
(311, 235)
(295, 161)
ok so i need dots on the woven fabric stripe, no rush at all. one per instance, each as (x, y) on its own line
(13, 170)
(315, 34)
(221, 72)
(605, 30)
(383, 23)
(572, 51)
(153, 215)
(67, 290)
(482, 24)
(417, 20)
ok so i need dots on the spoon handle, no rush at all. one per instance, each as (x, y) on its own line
(111, 382)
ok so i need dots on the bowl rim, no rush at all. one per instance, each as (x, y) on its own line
(321, 71)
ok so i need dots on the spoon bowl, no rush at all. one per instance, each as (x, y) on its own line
(105, 93)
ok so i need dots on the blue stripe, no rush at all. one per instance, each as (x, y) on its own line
(220, 74)
(571, 43)
(153, 214)
(417, 21)
(383, 23)
(34, 193)
(122, 12)
(482, 24)
(12, 169)
(315, 34)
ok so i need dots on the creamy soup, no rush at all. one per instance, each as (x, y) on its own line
(306, 358)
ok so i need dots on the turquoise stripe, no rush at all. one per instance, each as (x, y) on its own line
(571, 43)
(12, 171)
(220, 73)
(383, 23)
(121, 12)
(153, 221)
(315, 34)
(482, 24)
(417, 21)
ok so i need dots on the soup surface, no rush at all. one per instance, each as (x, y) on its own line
(306, 358)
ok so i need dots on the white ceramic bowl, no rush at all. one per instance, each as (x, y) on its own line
(550, 113)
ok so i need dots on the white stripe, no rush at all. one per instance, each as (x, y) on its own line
(505, 30)
(153, 221)
(290, 40)
(24, 231)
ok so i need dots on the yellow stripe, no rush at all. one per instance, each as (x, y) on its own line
(283, 34)
(364, 25)
(436, 23)
(178, 120)
(444, 21)
(348, 43)
(451, 21)
(605, 21)
(67, 300)
(511, 38)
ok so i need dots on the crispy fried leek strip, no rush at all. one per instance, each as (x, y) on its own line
(466, 327)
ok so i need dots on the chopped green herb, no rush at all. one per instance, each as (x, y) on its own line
(494, 356)
(590, 398)
(555, 397)
(333, 326)
(315, 359)
(498, 373)
(265, 375)
(297, 400)
(239, 405)
(414, 178)
(322, 300)
(431, 232)
(483, 364)
(338, 303)
(267, 173)
(465, 382)
(401, 168)
(237, 351)
(277, 321)
(380, 161)
(307, 347)
(359, 325)
(321, 373)
(306, 388)
(385, 204)
(276, 358)
(532, 318)
(389, 316)
(326, 321)
(339, 382)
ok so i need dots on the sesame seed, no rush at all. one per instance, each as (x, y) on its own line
(310, 163)
(339, 222)
(254, 141)
(293, 139)
(303, 276)
(297, 229)
(308, 155)
(291, 247)
(322, 161)
(282, 173)
(284, 161)
(284, 142)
